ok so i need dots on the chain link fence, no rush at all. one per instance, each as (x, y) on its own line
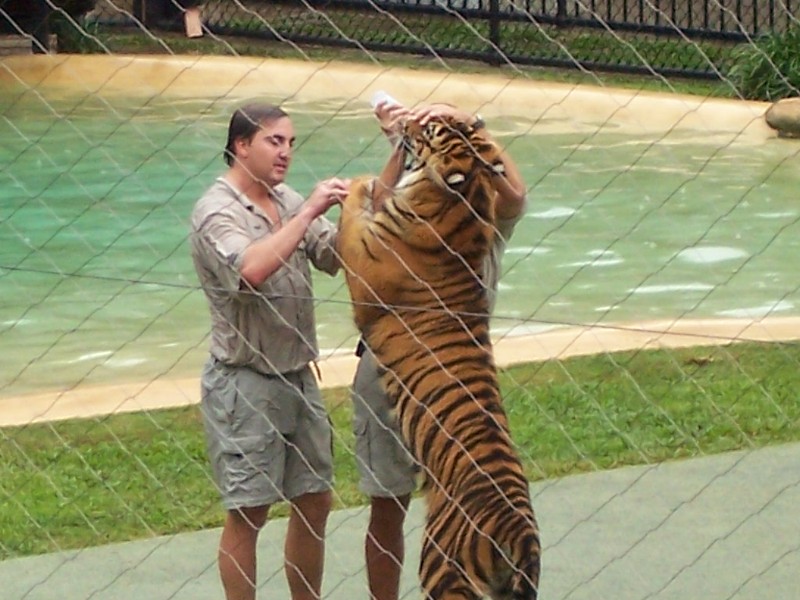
(648, 314)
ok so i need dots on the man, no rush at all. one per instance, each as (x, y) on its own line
(268, 433)
(387, 470)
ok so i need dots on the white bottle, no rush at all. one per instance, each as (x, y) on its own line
(381, 96)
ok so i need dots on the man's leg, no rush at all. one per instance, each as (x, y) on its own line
(384, 546)
(387, 475)
(304, 551)
(237, 552)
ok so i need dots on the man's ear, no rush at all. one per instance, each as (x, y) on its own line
(242, 147)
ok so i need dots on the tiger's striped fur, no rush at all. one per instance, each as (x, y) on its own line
(414, 273)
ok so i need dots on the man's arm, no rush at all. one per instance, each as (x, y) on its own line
(265, 256)
(510, 186)
(391, 118)
(388, 177)
(510, 189)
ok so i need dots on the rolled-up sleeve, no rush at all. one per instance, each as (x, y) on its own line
(222, 242)
(321, 245)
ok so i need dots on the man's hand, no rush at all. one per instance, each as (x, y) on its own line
(327, 193)
(425, 114)
(391, 118)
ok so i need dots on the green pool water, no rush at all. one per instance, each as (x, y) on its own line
(96, 283)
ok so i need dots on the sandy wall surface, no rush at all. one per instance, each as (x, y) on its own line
(551, 106)
(338, 370)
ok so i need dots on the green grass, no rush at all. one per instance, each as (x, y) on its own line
(81, 483)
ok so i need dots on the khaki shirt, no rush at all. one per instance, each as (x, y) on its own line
(270, 329)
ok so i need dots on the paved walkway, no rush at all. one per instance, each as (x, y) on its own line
(724, 527)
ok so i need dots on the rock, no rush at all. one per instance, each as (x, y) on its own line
(784, 116)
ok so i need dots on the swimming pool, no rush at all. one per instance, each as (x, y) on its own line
(97, 284)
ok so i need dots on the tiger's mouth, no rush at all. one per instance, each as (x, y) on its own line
(422, 142)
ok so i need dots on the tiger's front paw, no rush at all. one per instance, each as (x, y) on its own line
(359, 197)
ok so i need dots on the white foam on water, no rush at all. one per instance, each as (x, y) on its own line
(557, 212)
(114, 363)
(755, 312)
(671, 288)
(122, 363)
(598, 258)
(711, 254)
(528, 250)
(597, 262)
(17, 322)
(777, 215)
(604, 309)
(90, 356)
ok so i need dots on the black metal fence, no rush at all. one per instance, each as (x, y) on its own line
(27, 17)
(732, 19)
(668, 37)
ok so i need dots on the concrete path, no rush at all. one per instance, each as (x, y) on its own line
(724, 527)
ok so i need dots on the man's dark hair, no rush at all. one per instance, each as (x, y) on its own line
(246, 121)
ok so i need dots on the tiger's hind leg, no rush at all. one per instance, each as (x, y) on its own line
(441, 576)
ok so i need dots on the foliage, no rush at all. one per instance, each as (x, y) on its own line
(88, 482)
(76, 36)
(769, 69)
(75, 33)
(27, 16)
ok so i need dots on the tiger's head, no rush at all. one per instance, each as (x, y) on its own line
(455, 157)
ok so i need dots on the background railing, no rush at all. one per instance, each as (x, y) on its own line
(638, 36)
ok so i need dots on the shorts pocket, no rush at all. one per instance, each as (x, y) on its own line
(218, 393)
(252, 468)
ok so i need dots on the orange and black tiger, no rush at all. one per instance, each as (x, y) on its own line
(414, 270)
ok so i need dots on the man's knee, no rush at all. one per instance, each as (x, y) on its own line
(253, 517)
(389, 509)
(313, 507)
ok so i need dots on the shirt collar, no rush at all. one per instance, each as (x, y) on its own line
(278, 193)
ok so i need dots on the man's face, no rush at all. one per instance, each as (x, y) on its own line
(268, 154)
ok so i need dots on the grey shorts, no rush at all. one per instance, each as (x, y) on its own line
(269, 437)
(386, 466)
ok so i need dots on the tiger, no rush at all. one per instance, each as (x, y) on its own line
(413, 269)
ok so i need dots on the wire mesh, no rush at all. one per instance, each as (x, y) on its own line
(647, 311)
